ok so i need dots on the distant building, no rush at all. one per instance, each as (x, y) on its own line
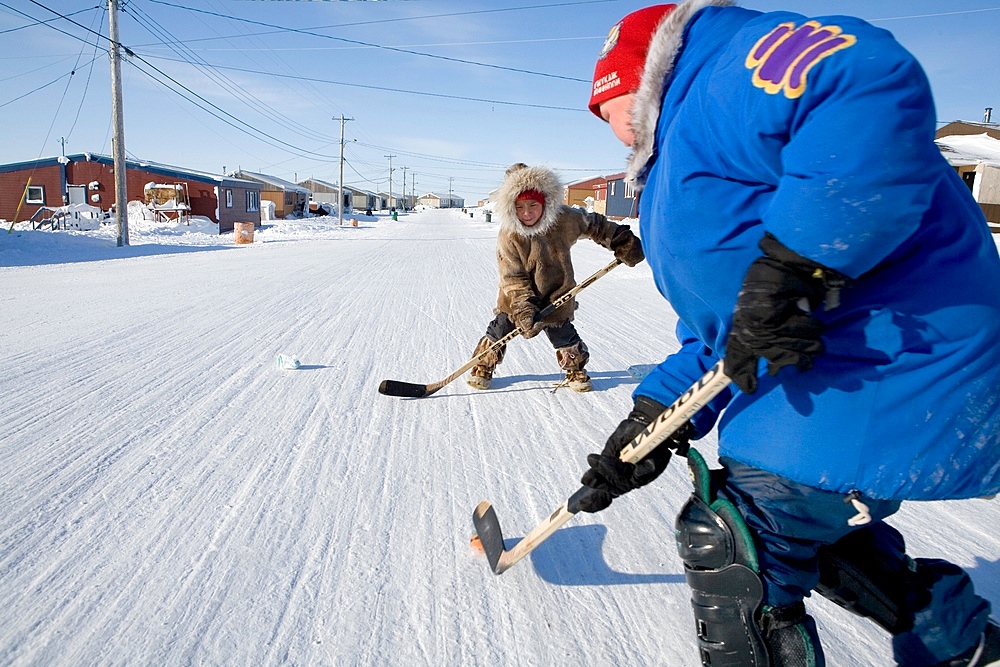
(433, 200)
(88, 178)
(362, 200)
(621, 202)
(959, 127)
(578, 192)
(601, 198)
(322, 191)
(289, 199)
(976, 158)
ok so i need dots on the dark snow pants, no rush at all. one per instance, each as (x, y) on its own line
(564, 335)
(791, 523)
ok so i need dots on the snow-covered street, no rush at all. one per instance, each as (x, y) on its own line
(171, 497)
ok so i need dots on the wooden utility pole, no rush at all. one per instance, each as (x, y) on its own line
(118, 118)
(340, 179)
(390, 178)
(404, 188)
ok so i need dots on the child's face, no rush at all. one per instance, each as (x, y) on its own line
(529, 211)
(618, 112)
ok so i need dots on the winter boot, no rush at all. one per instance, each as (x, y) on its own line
(984, 654)
(481, 375)
(572, 359)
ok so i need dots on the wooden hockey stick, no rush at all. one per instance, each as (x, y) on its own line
(676, 415)
(411, 390)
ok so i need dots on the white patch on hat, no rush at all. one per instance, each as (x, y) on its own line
(611, 41)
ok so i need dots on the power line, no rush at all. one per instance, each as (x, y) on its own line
(927, 16)
(463, 98)
(375, 46)
(168, 39)
(434, 16)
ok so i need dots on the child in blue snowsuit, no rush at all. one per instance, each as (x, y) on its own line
(799, 218)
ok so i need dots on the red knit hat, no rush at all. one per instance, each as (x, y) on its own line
(531, 195)
(619, 67)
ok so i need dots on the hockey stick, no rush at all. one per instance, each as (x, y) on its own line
(680, 411)
(410, 390)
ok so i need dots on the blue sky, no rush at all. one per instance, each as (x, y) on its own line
(452, 90)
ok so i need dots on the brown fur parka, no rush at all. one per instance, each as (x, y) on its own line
(535, 263)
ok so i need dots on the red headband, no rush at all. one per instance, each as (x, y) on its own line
(531, 195)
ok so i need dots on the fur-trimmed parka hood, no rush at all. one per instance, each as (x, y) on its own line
(520, 178)
(663, 49)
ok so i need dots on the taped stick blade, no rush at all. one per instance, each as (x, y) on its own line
(488, 529)
(404, 389)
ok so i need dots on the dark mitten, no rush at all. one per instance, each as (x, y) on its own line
(772, 319)
(610, 477)
(524, 319)
(626, 246)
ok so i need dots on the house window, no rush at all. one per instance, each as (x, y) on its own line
(35, 194)
(969, 177)
(253, 200)
(229, 198)
(629, 190)
(611, 188)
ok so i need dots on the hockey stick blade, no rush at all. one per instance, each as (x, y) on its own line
(672, 418)
(490, 535)
(404, 389)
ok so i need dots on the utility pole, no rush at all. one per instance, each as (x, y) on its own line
(404, 188)
(390, 178)
(413, 186)
(340, 180)
(450, 198)
(118, 117)
(62, 172)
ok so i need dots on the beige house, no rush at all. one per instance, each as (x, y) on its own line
(289, 199)
(976, 158)
(582, 193)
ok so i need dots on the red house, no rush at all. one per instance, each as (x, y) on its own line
(88, 178)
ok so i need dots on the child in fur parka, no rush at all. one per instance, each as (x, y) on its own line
(533, 255)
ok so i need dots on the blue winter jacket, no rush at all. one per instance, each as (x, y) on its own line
(821, 132)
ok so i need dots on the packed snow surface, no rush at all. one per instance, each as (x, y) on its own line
(171, 496)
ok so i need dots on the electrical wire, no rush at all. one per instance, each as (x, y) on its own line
(463, 98)
(375, 46)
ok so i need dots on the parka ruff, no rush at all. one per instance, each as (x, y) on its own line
(529, 178)
(663, 50)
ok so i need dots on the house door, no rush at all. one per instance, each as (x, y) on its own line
(77, 194)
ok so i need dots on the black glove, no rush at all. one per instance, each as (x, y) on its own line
(524, 319)
(626, 246)
(610, 477)
(772, 317)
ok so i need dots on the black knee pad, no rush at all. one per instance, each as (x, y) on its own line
(868, 573)
(734, 628)
(720, 565)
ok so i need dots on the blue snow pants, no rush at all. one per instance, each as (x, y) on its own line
(791, 522)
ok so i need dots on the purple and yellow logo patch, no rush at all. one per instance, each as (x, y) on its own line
(781, 59)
